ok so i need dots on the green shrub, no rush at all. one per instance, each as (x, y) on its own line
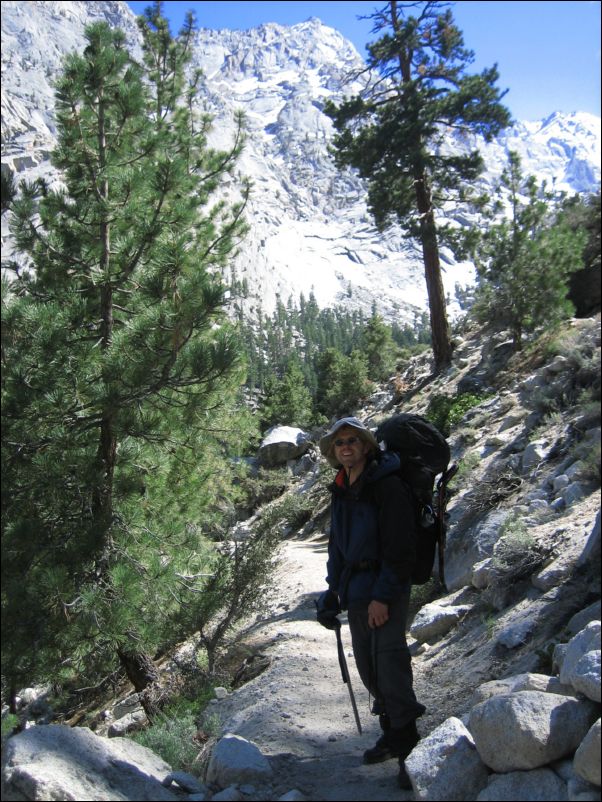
(447, 411)
(9, 722)
(469, 462)
(171, 737)
(517, 554)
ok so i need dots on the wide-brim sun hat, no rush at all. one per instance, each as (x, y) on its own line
(326, 442)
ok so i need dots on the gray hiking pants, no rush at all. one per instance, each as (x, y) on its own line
(384, 664)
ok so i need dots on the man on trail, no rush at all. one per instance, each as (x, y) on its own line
(371, 554)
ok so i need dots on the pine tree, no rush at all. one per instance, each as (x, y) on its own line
(287, 400)
(115, 352)
(378, 347)
(394, 132)
(342, 382)
(524, 256)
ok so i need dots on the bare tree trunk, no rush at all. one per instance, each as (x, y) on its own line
(143, 674)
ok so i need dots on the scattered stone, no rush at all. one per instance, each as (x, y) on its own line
(516, 633)
(572, 493)
(560, 482)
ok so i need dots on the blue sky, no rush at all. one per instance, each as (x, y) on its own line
(548, 53)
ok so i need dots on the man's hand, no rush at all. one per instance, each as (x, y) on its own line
(327, 609)
(378, 614)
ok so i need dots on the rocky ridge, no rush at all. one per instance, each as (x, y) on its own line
(507, 659)
(309, 226)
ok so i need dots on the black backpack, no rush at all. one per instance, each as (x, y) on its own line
(424, 453)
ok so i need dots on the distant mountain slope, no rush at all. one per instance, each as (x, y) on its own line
(310, 229)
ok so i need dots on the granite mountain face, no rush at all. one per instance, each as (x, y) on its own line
(310, 230)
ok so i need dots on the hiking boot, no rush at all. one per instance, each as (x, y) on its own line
(394, 742)
(403, 779)
(383, 749)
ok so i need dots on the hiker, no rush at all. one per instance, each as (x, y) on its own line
(371, 553)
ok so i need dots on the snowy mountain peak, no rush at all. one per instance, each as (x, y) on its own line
(309, 227)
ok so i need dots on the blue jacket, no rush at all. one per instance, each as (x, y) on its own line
(371, 550)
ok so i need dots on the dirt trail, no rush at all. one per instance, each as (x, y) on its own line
(298, 711)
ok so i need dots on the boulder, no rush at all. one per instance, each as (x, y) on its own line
(563, 566)
(54, 761)
(467, 546)
(434, 620)
(580, 620)
(587, 756)
(234, 760)
(188, 782)
(519, 682)
(534, 454)
(528, 729)
(481, 573)
(281, 444)
(445, 765)
(591, 552)
(586, 676)
(131, 722)
(581, 791)
(540, 784)
(571, 669)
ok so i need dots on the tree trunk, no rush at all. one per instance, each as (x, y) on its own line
(143, 674)
(107, 446)
(442, 348)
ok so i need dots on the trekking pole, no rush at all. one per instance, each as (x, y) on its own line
(345, 674)
(441, 504)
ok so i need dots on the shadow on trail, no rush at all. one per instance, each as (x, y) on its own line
(338, 775)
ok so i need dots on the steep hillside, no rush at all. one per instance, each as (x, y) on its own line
(523, 578)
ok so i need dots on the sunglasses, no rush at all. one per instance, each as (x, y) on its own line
(349, 441)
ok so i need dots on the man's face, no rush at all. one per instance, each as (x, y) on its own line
(349, 449)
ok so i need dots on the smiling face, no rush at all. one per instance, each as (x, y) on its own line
(351, 450)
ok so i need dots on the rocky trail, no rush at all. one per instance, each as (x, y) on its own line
(298, 711)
